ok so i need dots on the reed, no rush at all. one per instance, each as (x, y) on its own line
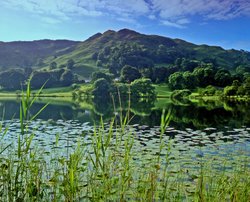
(113, 168)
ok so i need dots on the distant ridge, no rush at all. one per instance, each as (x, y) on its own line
(113, 49)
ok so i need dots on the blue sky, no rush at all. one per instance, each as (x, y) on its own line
(223, 23)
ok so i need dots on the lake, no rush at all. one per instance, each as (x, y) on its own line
(209, 140)
(192, 125)
(199, 115)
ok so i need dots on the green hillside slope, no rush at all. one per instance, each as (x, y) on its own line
(32, 53)
(112, 50)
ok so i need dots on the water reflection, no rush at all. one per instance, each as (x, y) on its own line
(197, 115)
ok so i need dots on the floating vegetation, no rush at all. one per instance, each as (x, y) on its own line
(68, 160)
(73, 161)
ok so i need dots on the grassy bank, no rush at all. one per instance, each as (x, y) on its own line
(47, 92)
(162, 91)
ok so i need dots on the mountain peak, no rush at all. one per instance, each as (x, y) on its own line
(127, 31)
(95, 36)
(127, 34)
(109, 32)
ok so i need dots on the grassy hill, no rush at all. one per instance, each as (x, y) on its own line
(113, 50)
(32, 53)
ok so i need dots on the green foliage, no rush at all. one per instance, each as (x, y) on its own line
(147, 73)
(190, 80)
(142, 107)
(35, 54)
(162, 90)
(246, 85)
(230, 90)
(205, 76)
(129, 74)
(187, 64)
(238, 89)
(241, 91)
(223, 78)
(236, 83)
(201, 77)
(98, 75)
(102, 89)
(142, 88)
(127, 47)
(155, 57)
(12, 79)
(55, 78)
(41, 77)
(161, 74)
(110, 164)
(209, 91)
(180, 94)
(123, 89)
(53, 65)
(176, 80)
(70, 64)
(67, 78)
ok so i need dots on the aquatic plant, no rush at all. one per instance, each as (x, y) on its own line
(108, 164)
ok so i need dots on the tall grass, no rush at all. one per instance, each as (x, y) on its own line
(113, 168)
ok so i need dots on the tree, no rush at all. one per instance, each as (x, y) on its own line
(236, 83)
(204, 76)
(53, 65)
(241, 91)
(67, 78)
(98, 75)
(129, 74)
(223, 78)
(70, 64)
(176, 80)
(39, 78)
(122, 90)
(209, 90)
(190, 81)
(178, 62)
(12, 79)
(160, 74)
(142, 88)
(230, 90)
(189, 65)
(247, 86)
(102, 89)
(180, 94)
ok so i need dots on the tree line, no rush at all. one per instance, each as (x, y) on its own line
(16, 79)
(183, 74)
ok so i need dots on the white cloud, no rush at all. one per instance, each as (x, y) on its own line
(127, 20)
(175, 13)
(171, 24)
(127, 10)
(152, 17)
(183, 21)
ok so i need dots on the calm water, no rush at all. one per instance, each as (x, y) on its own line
(200, 115)
(203, 128)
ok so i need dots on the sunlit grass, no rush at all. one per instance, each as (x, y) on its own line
(162, 90)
